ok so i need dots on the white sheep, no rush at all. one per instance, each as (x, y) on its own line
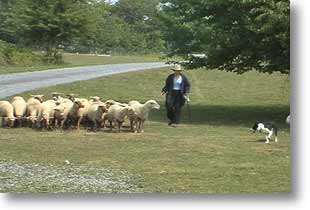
(7, 114)
(33, 108)
(82, 112)
(112, 102)
(141, 114)
(20, 108)
(94, 99)
(59, 99)
(46, 114)
(61, 113)
(77, 112)
(117, 115)
(95, 115)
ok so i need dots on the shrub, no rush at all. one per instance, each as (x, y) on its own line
(10, 55)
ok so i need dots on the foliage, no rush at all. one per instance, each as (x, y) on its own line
(48, 24)
(10, 55)
(129, 26)
(235, 35)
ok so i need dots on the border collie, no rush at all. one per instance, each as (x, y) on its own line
(269, 128)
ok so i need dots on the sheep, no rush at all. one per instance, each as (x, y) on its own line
(142, 112)
(133, 102)
(94, 99)
(58, 98)
(71, 96)
(7, 113)
(33, 108)
(112, 102)
(117, 114)
(59, 115)
(95, 115)
(61, 112)
(77, 112)
(20, 108)
(82, 112)
(46, 114)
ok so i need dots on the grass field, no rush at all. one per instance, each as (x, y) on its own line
(72, 60)
(214, 153)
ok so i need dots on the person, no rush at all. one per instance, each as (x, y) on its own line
(176, 89)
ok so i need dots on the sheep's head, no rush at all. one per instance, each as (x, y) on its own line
(38, 97)
(95, 98)
(56, 96)
(10, 121)
(71, 97)
(152, 104)
(103, 107)
(110, 102)
(79, 104)
(32, 119)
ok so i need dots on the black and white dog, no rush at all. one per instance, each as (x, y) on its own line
(269, 128)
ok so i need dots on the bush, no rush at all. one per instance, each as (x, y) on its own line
(10, 55)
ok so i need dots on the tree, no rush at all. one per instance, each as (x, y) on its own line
(141, 18)
(49, 24)
(5, 13)
(235, 35)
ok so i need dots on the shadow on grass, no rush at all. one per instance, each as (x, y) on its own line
(229, 115)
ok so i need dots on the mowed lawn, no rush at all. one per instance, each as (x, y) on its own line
(72, 60)
(212, 153)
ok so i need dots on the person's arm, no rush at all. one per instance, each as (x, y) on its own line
(165, 88)
(187, 86)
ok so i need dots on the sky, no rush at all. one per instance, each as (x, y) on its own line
(112, 1)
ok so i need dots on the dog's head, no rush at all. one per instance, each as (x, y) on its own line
(255, 127)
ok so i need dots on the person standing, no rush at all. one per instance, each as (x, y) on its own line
(176, 89)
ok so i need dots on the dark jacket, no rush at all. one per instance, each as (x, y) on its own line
(185, 86)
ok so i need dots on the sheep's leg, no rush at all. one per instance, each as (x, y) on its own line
(142, 126)
(102, 124)
(62, 123)
(119, 126)
(110, 125)
(267, 140)
(136, 126)
(94, 126)
(79, 123)
(139, 126)
(131, 125)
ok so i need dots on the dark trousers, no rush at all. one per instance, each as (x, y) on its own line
(174, 103)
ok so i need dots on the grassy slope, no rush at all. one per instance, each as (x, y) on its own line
(83, 60)
(214, 153)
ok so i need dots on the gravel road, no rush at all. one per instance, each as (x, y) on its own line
(33, 178)
(11, 84)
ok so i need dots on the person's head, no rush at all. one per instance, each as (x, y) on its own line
(177, 69)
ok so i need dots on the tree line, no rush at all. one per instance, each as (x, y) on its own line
(234, 35)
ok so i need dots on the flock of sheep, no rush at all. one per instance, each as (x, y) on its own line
(72, 112)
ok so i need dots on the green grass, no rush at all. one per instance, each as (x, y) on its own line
(72, 60)
(215, 153)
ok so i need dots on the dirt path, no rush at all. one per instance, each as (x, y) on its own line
(11, 84)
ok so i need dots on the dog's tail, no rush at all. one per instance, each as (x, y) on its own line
(275, 129)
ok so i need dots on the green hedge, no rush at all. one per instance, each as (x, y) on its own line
(10, 55)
